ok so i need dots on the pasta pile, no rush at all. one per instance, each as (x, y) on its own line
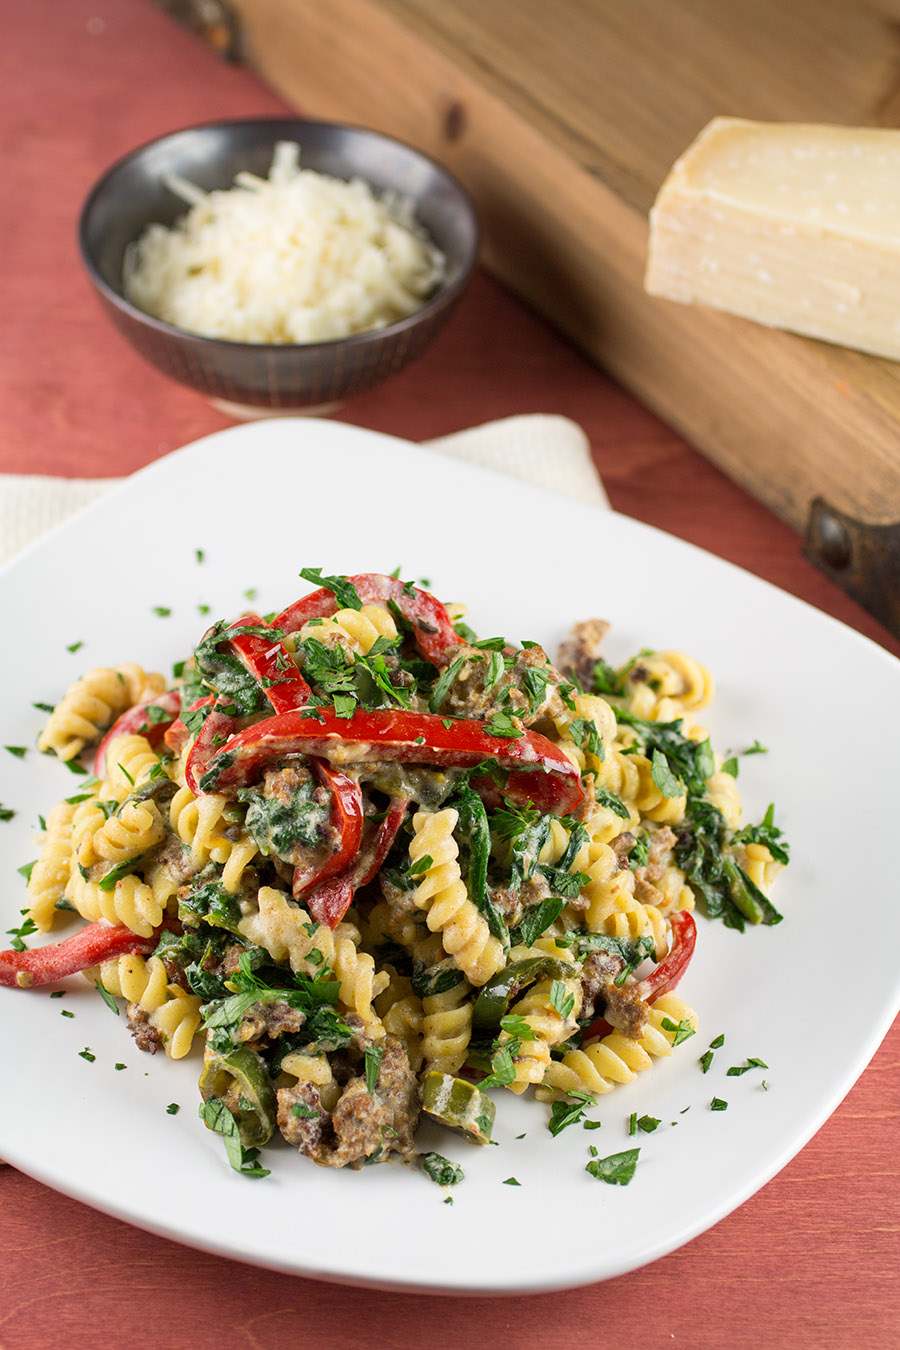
(378, 866)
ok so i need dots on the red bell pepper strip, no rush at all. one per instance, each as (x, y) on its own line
(346, 820)
(137, 721)
(177, 735)
(666, 975)
(214, 733)
(671, 968)
(432, 626)
(329, 901)
(92, 945)
(270, 663)
(399, 735)
(284, 686)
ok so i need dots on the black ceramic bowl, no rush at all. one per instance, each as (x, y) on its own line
(259, 378)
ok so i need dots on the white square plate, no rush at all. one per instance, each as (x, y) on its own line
(812, 997)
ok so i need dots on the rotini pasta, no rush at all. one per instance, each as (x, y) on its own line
(439, 867)
(167, 1015)
(92, 704)
(50, 874)
(442, 894)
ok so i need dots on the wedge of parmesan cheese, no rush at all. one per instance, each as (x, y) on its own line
(795, 226)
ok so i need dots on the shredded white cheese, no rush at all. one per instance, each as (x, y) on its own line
(297, 257)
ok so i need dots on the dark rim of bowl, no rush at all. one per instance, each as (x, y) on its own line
(443, 296)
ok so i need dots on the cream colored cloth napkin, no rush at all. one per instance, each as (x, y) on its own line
(549, 451)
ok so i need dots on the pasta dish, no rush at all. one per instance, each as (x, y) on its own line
(378, 866)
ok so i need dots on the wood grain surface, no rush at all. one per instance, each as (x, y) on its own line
(810, 1261)
(563, 119)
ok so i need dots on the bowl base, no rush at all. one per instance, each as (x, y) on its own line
(250, 412)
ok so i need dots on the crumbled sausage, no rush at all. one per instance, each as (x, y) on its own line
(363, 1126)
(146, 1035)
(580, 652)
(618, 1003)
(469, 697)
(270, 1020)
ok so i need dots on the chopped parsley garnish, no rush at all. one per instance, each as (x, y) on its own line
(566, 1113)
(343, 590)
(517, 1027)
(737, 1070)
(74, 646)
(120, 1066)
(172, 1109)
(502, 725)
(648, 1124)
(503, 1065)
(43, 707)
(561, 999)
(617, 1169)
(373, 1057)
(717, 1104)
(64, 1012)
(20, 751)
(586, 736)
(6, 812)
(683, 1030)
(26, 869)
(420, 866)
(162, 611)
(511, 1181)
(442, 687)
(304, 1112)
(107, 997)
(537, 919)
(441, 1170)
(730, 765)
(25, 929)
(87, 1054)
(217, 1117)
(612, 803)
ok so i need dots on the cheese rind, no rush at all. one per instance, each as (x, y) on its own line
(795, 226)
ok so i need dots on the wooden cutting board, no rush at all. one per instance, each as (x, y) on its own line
(562, 117)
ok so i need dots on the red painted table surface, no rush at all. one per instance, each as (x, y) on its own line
(813, 1259)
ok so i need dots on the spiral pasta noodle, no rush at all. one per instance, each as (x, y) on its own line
(92, 704)
(442, 894)
(173, 1012)
(548, 1027)
(446, 1028)
(289, 934)
(609, 893)
(133, 830)
(131, 902)
(613, 1059)
(50, 874)
(356, 630)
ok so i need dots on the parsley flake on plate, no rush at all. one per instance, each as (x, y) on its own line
(615, 1170)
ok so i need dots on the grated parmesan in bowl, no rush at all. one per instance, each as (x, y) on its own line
(298, 257)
